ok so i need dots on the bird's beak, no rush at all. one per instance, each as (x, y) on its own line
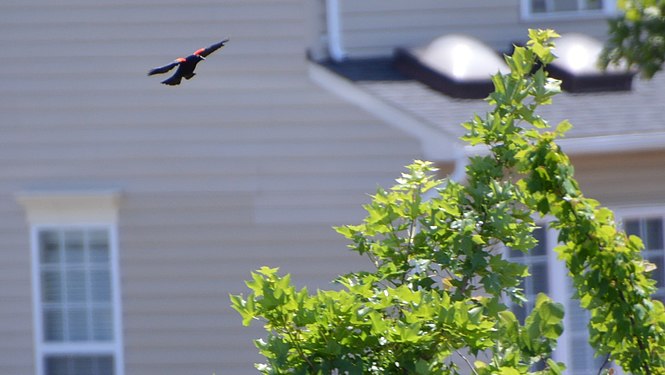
(202, 58)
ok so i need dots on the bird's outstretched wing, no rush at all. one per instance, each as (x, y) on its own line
(206, 51)
(163, 69)
(177, 76)
(173, 80)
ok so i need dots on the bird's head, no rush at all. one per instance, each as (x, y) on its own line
(198, 53)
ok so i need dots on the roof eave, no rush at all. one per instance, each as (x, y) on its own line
(441, 146)
(436, 144)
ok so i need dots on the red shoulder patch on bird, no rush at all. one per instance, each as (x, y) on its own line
(181, 59)
(199, 51)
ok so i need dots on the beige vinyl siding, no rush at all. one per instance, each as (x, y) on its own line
(376, 27)
(184, 252)
(247, 164)
(623, 179)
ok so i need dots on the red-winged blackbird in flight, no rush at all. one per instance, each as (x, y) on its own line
(186, 65)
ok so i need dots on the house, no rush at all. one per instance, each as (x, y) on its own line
(130, 210)
(376, 53)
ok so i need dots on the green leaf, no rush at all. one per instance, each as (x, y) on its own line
(549, 311)
(422, 367)
(478, 239)
(563, 127)
(555, 367)
(407, 332)
(244, 307)
(508, 371)
(510, 325)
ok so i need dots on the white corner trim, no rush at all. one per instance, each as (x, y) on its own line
(436, 145)
(70, 206)
(334, 25)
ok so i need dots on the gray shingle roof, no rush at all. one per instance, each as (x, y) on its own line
(639, 111)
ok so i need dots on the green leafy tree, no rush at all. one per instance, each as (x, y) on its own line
(435, 301)
(637, 36)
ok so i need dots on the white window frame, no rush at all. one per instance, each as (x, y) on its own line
(64, 210)
(636, 212)
(641, 213)
(561, 291)
(558, 291)
(608, 8)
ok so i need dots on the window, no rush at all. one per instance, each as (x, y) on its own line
(536, 261)
(581, 359)
(549, 276)
(83, 364)
(650, 230)
(566, 8)
(76, 297)
(76, 304)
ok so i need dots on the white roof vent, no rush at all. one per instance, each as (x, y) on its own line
(457, 65)
(577, 66)
(462, 57)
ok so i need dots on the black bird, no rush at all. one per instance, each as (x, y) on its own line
(186, 65)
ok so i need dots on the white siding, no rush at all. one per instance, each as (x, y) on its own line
(246, 164)
(376, 27)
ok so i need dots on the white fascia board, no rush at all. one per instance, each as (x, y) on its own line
(436, 145)
(613, 143)
(597, 144)
(641, 210)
